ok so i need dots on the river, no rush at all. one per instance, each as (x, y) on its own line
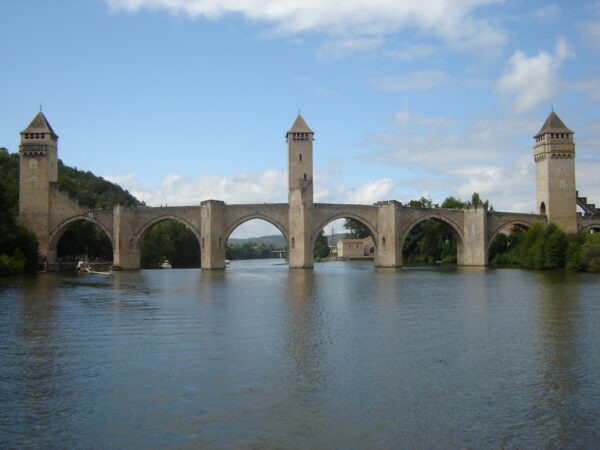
(259, 356)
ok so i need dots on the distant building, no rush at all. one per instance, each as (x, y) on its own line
(355, 248)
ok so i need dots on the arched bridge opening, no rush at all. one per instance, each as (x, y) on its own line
(344, 237)
(255, 237)
(504, 242)
(80, 238)
(169, 244)
(166, 241)
(432, 239)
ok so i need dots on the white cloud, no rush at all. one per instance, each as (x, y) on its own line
(530, 81)
(122, 179)
(421, 80)
(486, 158)
(452, 21)
(370, 193)
(243, 187)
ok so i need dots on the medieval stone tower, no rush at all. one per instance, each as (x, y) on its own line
(554, 155)
(38, 174)
(300, 193)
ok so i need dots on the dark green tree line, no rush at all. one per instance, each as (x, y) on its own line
(547, 248)
(249, 250)
(18, 246)
(172, 241)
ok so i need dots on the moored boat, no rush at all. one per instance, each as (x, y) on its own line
(165, 265)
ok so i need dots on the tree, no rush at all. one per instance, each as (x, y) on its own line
(357, 229)
(421, 203)
(170, 240)
(452, 202)
(321, 246)
(84, 238)
(555, 245)
(476, 201)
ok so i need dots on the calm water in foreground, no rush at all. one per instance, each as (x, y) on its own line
(258, 356)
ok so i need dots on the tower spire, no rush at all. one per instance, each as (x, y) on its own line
(554, 156)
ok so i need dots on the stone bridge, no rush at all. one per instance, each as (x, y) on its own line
(49, 212)
(213, 221)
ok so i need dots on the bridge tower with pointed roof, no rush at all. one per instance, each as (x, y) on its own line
(554, 155)
(300, 194)
(38, 171)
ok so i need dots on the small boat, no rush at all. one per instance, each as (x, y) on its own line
(165, 265)
(88, 270)
(227, 262)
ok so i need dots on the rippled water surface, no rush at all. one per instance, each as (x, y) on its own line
(259, 356)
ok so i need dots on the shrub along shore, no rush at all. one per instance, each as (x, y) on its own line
(547, 248)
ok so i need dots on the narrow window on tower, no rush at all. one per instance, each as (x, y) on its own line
(300, 156)
(304, 177)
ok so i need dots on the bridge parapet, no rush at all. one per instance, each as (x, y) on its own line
(588, 222)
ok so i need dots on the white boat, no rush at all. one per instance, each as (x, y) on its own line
(88, 270)
(165, 265)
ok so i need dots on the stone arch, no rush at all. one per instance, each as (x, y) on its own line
(240, 220)
(492, 234)
(345, 215)
(139, 234)
(590, 227)
(60, 229)
(457, 232)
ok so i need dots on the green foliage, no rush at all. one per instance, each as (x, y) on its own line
(321, 246)
(9, 182)
(476, 201)
(84, 239)
(172, 241)
(429, 242)
(421, 203)
(452, 202)
(249, 250)
(11, 265)
(548, 248)
(554, 248)
(357, 230)
(591, 252)
(92, 191)
(18, 246)
(576, 252)
(530, 250)
(433, 240)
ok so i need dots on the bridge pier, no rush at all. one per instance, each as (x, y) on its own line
(126, 255)
(389, 252)
(212, 242)
(474, 248)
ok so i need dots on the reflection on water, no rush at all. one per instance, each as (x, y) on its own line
(559, 410)
(259, 356)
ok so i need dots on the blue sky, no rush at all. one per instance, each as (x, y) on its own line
(184, 100)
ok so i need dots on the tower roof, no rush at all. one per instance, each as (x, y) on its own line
(553, 124)
(300, 126)
(39, 124)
